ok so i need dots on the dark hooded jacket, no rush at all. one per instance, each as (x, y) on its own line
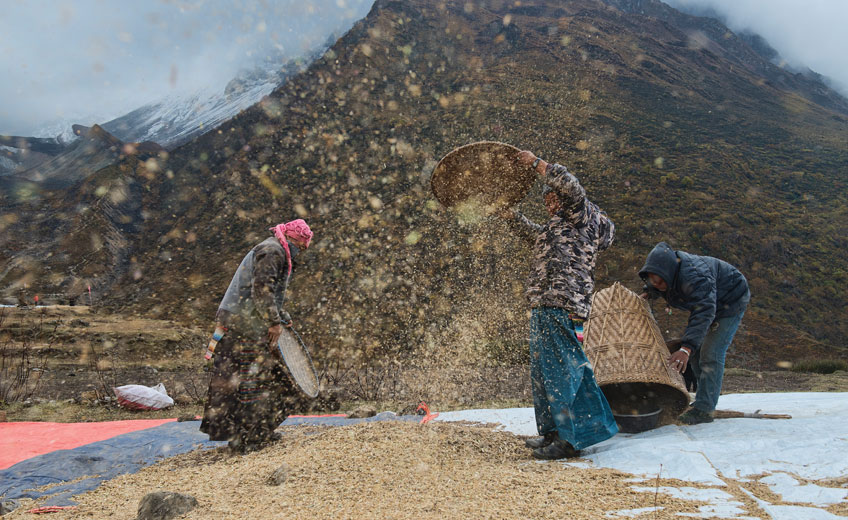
(707, 287)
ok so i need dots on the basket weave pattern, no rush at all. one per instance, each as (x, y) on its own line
(299, 363)
(625, 346)
(486, 171)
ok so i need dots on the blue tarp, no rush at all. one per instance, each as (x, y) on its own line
(127, 453)
(99, 461)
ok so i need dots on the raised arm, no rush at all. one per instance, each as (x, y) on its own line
(564, 184)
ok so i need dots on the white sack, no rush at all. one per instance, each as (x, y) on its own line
(140, 397)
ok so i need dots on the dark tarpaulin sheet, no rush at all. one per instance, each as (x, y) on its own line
(127, 453)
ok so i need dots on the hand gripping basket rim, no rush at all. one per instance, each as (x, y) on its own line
(298, 362)
(485, 169)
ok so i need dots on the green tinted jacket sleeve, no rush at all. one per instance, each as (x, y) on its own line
(268, 266)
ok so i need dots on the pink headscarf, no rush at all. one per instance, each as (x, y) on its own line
(297, 229)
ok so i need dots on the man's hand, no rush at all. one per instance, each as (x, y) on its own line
(679, 360)
(643, 295)
(526, 157)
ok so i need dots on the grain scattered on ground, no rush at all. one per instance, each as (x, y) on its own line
(382, 470)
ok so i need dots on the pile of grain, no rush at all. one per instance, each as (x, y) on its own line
(381, 470)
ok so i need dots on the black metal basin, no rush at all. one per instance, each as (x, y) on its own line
(640, 422)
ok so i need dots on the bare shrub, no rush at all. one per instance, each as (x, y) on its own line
(196, 385)
(21, 363)
(105, 365)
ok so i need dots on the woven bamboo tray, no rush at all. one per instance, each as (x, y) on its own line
(629, 356)
(298, 362)
(487, 172)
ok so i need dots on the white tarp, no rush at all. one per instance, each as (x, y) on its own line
(793, 454)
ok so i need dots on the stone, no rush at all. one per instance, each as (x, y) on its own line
(279, 475)
(362, 412)
(7, 506)
(164, 505)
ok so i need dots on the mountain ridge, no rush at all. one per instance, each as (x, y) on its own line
(670, 138)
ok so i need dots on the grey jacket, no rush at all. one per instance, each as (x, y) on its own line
(707, 287)
(257, 292)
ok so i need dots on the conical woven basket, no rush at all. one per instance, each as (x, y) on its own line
(487, 172)
(630, 358)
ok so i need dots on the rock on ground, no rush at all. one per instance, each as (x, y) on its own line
(164, 505)
(7, 506)
(279, 475)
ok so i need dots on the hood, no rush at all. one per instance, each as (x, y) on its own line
(663, 261)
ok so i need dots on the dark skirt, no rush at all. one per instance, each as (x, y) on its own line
(249, 393)
(566, 396)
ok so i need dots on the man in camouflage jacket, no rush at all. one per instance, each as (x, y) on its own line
(571, 411)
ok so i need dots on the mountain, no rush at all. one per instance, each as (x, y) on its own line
(168, 122)
(706, 30)
(676, 127)
(68, 164)
(178, 119)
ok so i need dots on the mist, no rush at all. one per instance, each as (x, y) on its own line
(808, 34)
(89, 61)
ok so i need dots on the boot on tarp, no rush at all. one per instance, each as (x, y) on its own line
(535, 443)
(695, 416)
(558, 449)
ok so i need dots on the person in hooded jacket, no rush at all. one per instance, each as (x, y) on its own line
(248, 389)
(571, 411)
(716, 295)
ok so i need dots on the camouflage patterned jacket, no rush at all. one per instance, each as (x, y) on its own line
(566, 247)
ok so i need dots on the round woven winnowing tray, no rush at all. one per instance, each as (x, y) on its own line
(487, 170)
(629, 357)
(297, 360)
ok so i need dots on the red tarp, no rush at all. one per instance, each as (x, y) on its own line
(23, 440)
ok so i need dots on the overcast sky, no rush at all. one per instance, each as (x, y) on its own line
(63, 59)
(806, 33)
(94, 60)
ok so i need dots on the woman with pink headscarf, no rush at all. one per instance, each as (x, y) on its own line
(247, 393)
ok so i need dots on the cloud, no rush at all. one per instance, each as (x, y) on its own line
(809, 34)
(99, 59)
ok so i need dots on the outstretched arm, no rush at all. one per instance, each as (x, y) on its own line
(520, 223)
(528, 224)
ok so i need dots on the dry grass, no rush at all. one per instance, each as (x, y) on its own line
(62, 412)
(381, 470)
